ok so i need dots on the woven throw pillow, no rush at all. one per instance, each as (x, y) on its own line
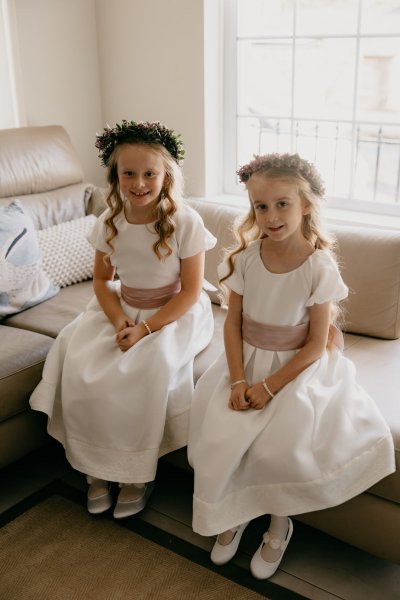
(23, 282)
(66, 253)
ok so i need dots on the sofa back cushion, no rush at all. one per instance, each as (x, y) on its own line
(369, 260)
(40, 167)
(36, 159)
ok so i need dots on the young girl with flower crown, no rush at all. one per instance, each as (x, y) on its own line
(279, 424)
(118, 382)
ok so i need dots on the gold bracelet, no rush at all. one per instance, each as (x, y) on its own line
(266, 388)
(237, 382)
(147, 327)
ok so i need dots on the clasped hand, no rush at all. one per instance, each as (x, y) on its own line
(244, 396)
(128, 333)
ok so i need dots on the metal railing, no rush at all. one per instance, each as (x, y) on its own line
(358, 160)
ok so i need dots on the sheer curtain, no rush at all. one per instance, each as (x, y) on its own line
(11, 98)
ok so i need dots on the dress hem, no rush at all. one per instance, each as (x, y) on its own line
(296, 498)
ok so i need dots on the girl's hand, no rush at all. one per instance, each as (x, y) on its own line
(238, 400)
(129, 336)
(122, 322)
(257, 396)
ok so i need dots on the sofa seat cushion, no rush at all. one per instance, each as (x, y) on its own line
(22, 355)
(378, 372)
(49, 318)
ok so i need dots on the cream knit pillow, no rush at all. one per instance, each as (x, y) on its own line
(67, 256)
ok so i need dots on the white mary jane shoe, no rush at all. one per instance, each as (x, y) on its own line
(221, 554)
(97, 504)
(260, 569)
(131, 507)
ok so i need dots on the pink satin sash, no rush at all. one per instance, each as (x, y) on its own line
(150, 297)
(282, 337)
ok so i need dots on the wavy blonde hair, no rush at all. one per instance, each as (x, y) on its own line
(288, 168)
(170, 198)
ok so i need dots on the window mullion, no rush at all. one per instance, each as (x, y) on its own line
(354, 127)
(292, 125)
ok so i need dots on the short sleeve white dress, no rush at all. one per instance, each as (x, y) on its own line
(116, 412)
(320, 441)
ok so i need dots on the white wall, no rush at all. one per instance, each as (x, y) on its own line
(59, 71)
(151, 56)
(85, 63)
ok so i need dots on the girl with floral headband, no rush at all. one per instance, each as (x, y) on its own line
(279, 424)
(118, 381)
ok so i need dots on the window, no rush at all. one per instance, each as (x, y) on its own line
(321, 78)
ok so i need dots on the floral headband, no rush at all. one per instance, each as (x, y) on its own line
(128, 132)
(284, 162)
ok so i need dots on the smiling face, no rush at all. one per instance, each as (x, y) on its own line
(141, 176)
(278, 206)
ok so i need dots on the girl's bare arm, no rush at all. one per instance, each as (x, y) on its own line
(234, 352)
(103, 275)
(320, 316)
(191, 275)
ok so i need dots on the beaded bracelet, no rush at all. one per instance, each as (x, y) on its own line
(266, 388)
(147, 327)
(237, 382)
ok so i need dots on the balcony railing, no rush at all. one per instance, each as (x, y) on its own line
(359, 160)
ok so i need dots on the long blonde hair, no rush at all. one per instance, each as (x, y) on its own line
(170, 198)
(291, 169)
(246, 230)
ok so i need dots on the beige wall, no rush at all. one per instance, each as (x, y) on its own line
(85, 63)
(151, 68)
(59, 70)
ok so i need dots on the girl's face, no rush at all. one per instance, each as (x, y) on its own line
(278, 206)
(141, 175)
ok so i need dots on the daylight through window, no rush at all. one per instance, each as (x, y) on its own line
(321, 78)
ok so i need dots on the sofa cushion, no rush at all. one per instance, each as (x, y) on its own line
(373, 305)
(49, 208)
(22, 355)
(51, 317)
(67, 256)
(37, 159)
(23, 280)
(376, 362)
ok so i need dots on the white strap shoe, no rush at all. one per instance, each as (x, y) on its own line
(99, 496)
(126, 508)
(260, 569)
(222, 553)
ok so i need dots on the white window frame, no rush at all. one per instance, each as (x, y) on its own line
(231, 186)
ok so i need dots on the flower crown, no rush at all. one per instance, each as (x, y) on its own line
(284, 162)
(128, 132)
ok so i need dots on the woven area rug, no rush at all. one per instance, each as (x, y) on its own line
(56, 551)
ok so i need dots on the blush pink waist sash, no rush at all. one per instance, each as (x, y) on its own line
(150, 297)
(282, 337)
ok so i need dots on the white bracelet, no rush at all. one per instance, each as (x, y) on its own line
(237, 382)
(266, 388)
(147, 327)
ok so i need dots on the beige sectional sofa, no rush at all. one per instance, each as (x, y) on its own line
(39, 166)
